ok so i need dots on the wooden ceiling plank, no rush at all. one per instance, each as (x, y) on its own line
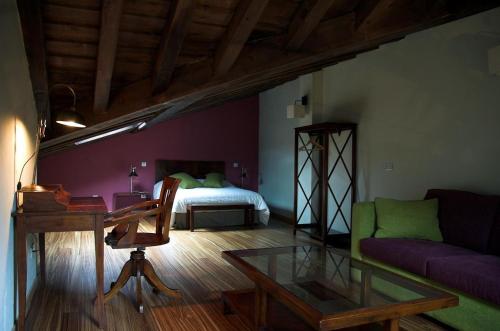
(170, 46)
(85, 4)
(369, 10)
(70, 15)
(302, 26)
(66, 48)
(70, 63)
(71, 33)
(108, 41)
(244, 19)
(30, 14)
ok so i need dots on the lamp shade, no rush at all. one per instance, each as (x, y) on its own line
(70, 118)
(133, 173)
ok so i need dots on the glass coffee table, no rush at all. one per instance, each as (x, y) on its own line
(318, 288)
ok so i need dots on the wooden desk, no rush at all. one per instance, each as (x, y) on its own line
(83, 214)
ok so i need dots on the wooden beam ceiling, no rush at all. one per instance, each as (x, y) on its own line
(34, 43)
(303, 24)
(111, 13)
(262, 63)
(174, 33)
(242, 24)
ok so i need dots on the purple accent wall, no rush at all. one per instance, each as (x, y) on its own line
(224, 133)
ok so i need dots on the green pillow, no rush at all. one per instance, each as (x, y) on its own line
(187, 181)
(214, 180)
(407, 219)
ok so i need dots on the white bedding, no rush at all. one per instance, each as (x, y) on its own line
(228, 194)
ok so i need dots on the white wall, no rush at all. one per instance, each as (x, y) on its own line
(427, 104)
(17, 143)
(276, 142)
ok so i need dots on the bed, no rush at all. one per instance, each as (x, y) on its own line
(229, 194)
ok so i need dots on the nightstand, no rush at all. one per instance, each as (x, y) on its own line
(125, 199)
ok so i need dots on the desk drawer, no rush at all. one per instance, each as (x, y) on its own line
(59, 223)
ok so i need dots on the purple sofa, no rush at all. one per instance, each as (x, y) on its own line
(467, 262)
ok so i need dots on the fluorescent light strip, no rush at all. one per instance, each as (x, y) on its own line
(72, 124)
(102, 135)
(141, 125)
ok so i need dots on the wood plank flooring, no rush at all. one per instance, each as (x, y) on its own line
(191, 262)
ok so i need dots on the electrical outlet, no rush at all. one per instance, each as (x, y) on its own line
(144, 164)
(236, 165)
(388, 166)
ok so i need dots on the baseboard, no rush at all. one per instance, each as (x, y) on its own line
(282, 218)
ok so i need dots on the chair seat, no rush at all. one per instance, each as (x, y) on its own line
(141, 240)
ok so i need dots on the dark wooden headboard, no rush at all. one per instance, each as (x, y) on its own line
(197, 169)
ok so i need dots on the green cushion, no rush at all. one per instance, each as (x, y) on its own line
(187, 181)
(214, 180)
(407, 219)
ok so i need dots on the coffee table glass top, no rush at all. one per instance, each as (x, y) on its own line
(330, 281)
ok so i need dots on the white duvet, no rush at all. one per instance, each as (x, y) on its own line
(217, 196)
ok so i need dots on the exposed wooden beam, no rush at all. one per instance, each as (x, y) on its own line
(302, 25)
(368, 10)
(173, 36)
(174, 110)
(111, 12)
(244, 19)
(34, 42)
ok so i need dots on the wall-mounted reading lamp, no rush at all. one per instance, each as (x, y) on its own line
(298, 109)
(131, 175)
(69, 117)
(42, 125)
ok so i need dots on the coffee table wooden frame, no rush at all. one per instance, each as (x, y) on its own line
(389, 314)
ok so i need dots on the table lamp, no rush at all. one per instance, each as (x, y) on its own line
(131, 175)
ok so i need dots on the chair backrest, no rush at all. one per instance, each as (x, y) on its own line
(166, 201)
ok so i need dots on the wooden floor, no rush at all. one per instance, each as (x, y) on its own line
(191, 262)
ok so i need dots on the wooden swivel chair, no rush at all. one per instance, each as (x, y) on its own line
(125, 235)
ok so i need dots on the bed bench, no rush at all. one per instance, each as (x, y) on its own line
(193, 208)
